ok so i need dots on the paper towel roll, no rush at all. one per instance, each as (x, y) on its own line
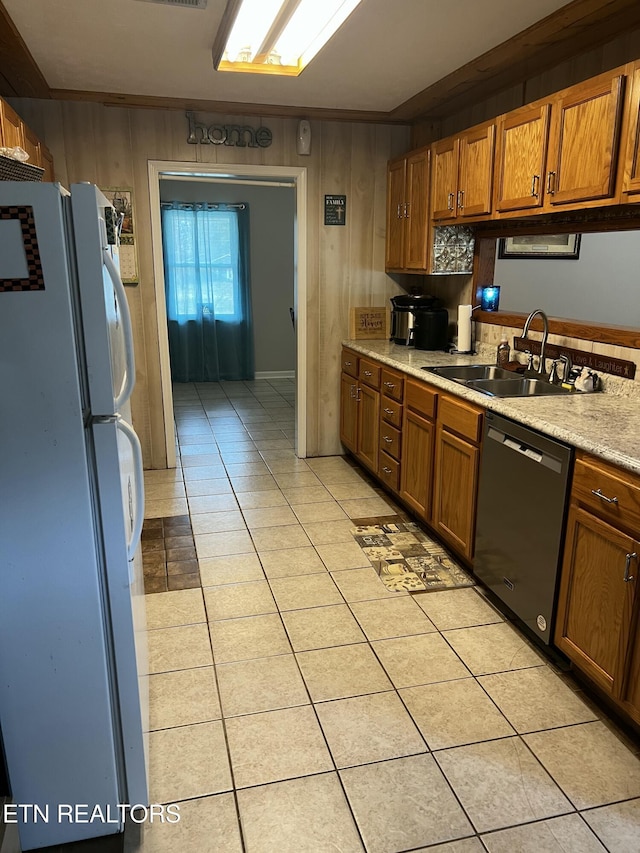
(464, 328)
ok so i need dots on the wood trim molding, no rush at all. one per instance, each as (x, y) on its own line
(19, 73)
(153, 102)
(575, 28)
(620, 336)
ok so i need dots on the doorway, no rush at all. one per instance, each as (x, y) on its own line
(233, 176)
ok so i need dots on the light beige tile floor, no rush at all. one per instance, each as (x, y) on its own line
(297, 705)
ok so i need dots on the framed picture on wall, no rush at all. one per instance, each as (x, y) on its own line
(554, 246)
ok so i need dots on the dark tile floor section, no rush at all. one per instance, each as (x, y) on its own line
(169, 554)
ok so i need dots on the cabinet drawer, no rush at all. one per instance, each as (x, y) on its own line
(389, 471)
(391, 411)
(618, 491)
(460, 417)
(392, 384)
(421, 398)
(350, 362)
(390, 440)
(369, 372)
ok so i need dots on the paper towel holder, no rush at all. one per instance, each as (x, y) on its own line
(454, 351)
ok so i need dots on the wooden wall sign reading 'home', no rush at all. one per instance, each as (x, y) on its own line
(240, 135)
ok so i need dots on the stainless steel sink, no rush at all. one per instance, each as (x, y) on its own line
(515, 387)
(495, 381)
(466, 372)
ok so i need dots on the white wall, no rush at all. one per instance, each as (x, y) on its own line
(271, 211)
(602, 285)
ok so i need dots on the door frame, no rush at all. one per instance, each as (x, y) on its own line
(268, 174)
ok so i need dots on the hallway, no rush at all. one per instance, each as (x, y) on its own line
(299, 705)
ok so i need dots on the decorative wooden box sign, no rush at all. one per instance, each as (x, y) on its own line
(369, 324)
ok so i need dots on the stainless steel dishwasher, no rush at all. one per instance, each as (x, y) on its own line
(522, 499)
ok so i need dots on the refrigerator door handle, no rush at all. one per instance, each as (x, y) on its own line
(136, 532)
(130, 373)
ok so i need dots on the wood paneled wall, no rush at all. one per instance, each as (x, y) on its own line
(623, 49)
(111, 146)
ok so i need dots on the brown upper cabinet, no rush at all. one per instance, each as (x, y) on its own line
(631, 176)
(522, 139)
(584, 141)
(408, 213)
(15, 133)
(561, 152)
(10, 127)
(462, 174)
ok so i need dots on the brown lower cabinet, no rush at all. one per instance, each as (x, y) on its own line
(418, 442)
(360, 408)
(457, 463)
(597, 624)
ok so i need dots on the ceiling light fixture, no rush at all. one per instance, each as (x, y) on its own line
(276, 36)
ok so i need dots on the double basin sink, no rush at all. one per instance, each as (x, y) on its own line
(495, 381)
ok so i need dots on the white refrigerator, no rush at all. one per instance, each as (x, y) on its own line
(73, 707)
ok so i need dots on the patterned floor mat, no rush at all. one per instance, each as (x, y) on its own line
(406, 558)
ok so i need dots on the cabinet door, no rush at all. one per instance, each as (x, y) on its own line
(417, 222)
(475, 175)
(583, 146)
(11, 125)
(368, 426)
(396, 173)
(521, 153)
(595, 603)
(454, 490)
(417, 463)
(444, 178)
(31, 145)
(349, 412)
(631, 181)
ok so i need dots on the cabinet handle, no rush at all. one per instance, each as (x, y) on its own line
(627, 577)
(387, 470)
(389, 412)
(389, 384)
(387, 439)
(450, 198)
(535, 186)
(599, 494)
(399, 214)
(368, 373)
(551, 180)
(461, 199)
(347, 364)
(406, 210)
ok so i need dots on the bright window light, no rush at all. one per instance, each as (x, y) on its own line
(282, 36)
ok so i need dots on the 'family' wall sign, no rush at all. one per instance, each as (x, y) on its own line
(240, 135)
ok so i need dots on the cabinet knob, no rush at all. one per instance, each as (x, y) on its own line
(627, 577)
(598, 494)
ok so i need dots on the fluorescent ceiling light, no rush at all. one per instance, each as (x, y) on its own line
(278, 36)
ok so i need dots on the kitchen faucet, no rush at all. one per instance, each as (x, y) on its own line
(545, 334)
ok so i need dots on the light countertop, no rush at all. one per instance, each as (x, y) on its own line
(604, 424)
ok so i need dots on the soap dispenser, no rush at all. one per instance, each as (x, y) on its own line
(503, 353)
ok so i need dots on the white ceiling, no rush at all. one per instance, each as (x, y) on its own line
(386, 52)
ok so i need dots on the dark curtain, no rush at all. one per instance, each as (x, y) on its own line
(208, 292)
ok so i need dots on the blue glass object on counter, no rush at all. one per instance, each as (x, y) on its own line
(490, 298)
